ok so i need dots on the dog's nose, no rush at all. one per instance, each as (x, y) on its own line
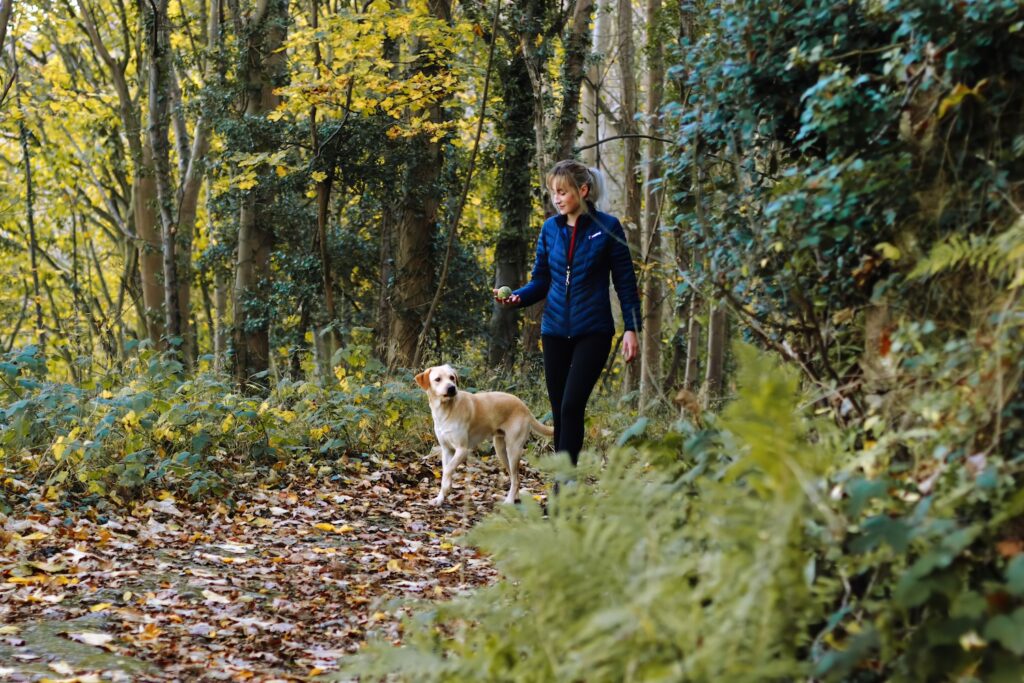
(451, 390)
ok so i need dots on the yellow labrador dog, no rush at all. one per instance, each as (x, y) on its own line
(462, 420)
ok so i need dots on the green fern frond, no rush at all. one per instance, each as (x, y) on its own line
(1001, 257)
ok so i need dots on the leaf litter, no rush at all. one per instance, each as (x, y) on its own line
(282, 585)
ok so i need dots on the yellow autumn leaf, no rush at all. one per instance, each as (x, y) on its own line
(452, 570)
(318, 176)
(99, 607)
(324, 526)
(959, 92)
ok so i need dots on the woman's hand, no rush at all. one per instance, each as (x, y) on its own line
(630, 345)
(512, 300)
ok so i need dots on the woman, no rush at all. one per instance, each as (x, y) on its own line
(577, 251)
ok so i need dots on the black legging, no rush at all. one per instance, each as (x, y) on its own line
(571, 369)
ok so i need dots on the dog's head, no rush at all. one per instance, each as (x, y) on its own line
(440, 381)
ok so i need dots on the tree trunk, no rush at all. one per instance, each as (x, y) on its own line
(264, 61)
(385, 309)
(631, 181)
(220, 307)
(5, 17)
(33, 244)
(157, 27)
(414, 252)
(653, 288)
(323, 205)
(144, 197)
(691, 377)
(577, 47)
(191, 185)
(386, 254)
(715, 373)
(414, 257)
(592, 104)
(512, 252)
(530, 34)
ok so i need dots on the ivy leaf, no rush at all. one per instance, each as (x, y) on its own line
(638, 428)
(1015, 575)
(1008, 630)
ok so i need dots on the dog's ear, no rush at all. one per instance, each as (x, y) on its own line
(423, 379)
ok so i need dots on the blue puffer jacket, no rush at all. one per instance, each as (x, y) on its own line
(577, 298)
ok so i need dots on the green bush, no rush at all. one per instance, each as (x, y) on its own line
(149, 428)
(762, 551)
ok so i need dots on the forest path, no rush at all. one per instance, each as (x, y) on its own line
(281, 586)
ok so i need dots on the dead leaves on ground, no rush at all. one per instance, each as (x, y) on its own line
(280, 586)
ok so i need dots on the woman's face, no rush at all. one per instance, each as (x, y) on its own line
(565, 197)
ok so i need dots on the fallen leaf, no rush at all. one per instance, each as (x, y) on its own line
(63, 668)
(452, 570)
(90, 638)
(216, 597)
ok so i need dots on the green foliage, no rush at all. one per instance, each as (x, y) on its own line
(128, 435)
(649, 573)
(767, 546)
(830, 154)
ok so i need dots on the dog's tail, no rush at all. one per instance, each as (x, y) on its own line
(541, 429)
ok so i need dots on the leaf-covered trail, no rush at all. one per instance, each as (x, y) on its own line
(281, 586)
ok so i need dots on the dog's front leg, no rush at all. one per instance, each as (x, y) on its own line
(449, 471)
(447, 453)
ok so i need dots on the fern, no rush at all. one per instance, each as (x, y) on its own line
(648, 575)
(1001, 257)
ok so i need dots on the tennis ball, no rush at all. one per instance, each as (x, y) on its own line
(504, 293)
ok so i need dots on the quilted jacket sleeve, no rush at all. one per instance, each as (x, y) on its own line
(540, 279)
(624, 279)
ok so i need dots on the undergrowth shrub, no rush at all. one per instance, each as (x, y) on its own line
(763, 547)
(149, 428)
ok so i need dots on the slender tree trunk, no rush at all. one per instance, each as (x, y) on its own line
(691, 377)
(144, 195)
(414, 266)
(188, 208)
(592, 87)
(577, 47)
(5, 17)
(150, 248)
(653, 289)
(715, 372)
(323, 204)
(385, 309)
(33, 244)
(530, 34)
(631, 182)
(386, 254)
(158, 34)
(512, 252)
(264, 61)
(220, 307)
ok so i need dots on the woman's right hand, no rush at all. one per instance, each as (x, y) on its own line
(512, 300)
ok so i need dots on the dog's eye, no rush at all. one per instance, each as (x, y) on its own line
(452, 378)
(437, 379)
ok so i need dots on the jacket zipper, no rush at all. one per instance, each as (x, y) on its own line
(570, 254)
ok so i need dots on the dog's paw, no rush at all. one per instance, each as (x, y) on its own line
(439, 500)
